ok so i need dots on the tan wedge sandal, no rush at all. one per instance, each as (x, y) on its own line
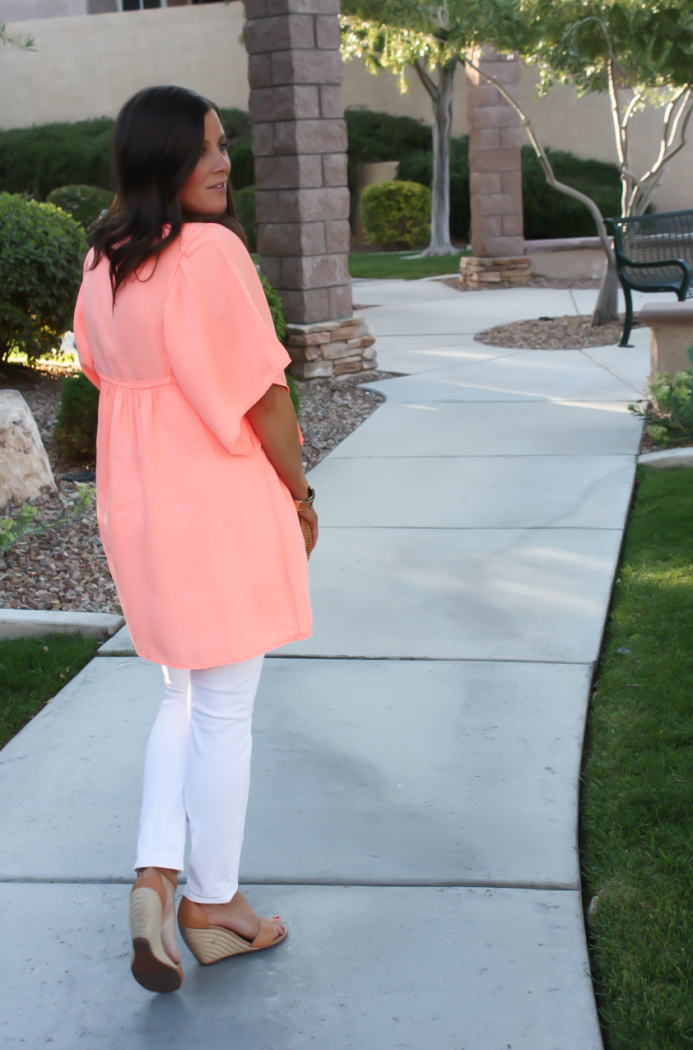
(151, 965)
(210, 943)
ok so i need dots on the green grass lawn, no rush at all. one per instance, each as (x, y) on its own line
(385, 265)
(32, 670)
(637, 796)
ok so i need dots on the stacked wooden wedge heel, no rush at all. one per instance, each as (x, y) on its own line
(150, 964)
(210, 943)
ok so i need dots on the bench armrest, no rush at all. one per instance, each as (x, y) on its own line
(655, 264)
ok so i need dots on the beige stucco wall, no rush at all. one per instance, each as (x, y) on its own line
(86, 66)
(12, 10)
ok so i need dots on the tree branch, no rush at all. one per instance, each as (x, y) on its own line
(427, 81)
(650, 181)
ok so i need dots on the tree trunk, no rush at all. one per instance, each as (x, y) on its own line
(441, 101)
(442, 132)
(606, 308)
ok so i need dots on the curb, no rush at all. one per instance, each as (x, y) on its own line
(30, 623)
(120, 644)
(669, 459)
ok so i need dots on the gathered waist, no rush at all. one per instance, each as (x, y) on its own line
(137, 384)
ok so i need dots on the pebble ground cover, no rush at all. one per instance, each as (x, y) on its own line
(637, 796)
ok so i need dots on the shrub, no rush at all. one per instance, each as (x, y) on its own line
(276, 307)
(548, 213)
(41, 254)
(277, 310)
(236, 124)
(75, 428)
(83, 203)
(417, 166)
(396, 215)
(37, 160)
(245, 210)
(669, 418)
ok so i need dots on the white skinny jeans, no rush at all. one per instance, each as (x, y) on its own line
(197, 769)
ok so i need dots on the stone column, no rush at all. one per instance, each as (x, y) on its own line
(495, 138)
(299, 144)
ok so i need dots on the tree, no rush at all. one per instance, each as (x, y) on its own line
(396, 34)
(638, 52)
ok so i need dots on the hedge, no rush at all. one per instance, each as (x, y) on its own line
(84, 203)
(40, 159)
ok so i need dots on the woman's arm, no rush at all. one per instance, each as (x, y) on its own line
(274, 421)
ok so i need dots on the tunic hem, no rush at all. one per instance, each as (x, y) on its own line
(224, 661)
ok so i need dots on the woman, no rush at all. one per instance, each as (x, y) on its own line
(199, 480)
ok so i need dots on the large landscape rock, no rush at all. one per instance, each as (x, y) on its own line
(24, 466)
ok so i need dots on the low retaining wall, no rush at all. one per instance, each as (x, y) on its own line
(330, 348)
(567, 258)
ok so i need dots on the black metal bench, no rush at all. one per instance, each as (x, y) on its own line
(654, 253)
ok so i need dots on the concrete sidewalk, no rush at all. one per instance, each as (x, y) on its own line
(413, 805)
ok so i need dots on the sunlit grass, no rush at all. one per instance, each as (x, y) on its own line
(32, 670)
(637, 802)
(390, 265)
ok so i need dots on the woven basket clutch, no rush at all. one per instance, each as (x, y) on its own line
(307, 536)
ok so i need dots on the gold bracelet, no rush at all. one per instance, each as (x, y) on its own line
(307, 503)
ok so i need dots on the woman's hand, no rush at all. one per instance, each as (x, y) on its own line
(274, 421)
(311, 517)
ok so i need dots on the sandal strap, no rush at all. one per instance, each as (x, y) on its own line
(266, 935)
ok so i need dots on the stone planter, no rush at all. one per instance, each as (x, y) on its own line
(330, 348)
(477, 272)
(671, 333)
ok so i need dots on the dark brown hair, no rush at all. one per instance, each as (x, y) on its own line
(157, 141)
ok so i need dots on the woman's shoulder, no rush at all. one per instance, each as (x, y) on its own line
(198, 235)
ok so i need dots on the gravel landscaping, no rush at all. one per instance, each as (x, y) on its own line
(60, 564)
(551, 333)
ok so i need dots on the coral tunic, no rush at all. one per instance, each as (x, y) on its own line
(201, 535)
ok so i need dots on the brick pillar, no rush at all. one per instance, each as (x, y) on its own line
(495, 138)
(299, 144)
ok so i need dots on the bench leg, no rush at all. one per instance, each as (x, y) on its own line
(629, 315)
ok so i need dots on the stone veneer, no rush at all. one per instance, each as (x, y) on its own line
(330, 348)
(495, 140)
(299, 145)
(476, 272)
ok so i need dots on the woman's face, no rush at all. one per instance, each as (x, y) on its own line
(204, 191)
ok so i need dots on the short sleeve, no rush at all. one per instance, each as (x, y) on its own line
(218, 331)
(84, 353)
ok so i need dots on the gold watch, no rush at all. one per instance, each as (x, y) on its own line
(307, 503)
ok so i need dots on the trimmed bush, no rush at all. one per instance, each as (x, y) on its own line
(396, 215)
(42, 250)
(75, 428)
(245, 210)
(83, 203)
(37, 160)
